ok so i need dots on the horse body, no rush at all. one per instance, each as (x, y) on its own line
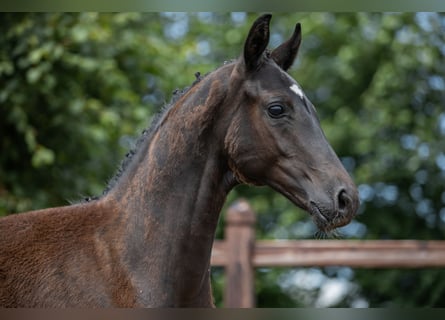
(49, 258)
(148, 240)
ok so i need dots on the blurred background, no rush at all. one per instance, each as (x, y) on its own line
(76, 90)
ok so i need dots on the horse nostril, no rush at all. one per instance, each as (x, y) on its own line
(343, 201)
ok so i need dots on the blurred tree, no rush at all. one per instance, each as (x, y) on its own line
(76, 89)
(68, 81)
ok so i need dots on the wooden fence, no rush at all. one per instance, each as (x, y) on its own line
(239, 254)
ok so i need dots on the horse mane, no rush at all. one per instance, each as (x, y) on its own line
(144, 137)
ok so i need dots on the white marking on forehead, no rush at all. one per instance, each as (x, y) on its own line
(295, 88)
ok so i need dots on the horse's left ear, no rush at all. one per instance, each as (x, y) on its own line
(286, 53)
(256, 42)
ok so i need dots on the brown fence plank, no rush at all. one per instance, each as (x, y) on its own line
(364, 254)
(353, 253)
(240, 240)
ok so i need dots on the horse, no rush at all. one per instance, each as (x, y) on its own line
(146, 242)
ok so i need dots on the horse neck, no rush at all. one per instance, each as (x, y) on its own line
(172, 195)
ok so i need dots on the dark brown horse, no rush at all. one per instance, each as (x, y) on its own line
(147, 241)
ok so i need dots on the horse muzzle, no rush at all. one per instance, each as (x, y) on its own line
(335, 212)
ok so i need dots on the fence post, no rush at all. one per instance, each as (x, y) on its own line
(240, 240)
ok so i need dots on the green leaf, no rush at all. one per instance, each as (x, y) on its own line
(42, 157)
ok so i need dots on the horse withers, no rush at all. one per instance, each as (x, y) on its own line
(146, 242)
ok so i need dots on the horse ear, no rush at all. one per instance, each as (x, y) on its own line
(286, 53)
(256, 42)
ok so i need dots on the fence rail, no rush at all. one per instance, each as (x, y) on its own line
(239, 254)
(352, 253)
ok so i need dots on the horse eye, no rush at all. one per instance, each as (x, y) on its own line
(276, 111)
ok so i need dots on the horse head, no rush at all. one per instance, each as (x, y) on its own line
(275, 139)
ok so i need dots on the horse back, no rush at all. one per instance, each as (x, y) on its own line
(58, 257)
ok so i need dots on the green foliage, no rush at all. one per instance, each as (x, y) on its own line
(269, 293)
(68, 79)
(76, 89)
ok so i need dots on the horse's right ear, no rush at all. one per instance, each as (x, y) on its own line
(286, 53)
(256, 42)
